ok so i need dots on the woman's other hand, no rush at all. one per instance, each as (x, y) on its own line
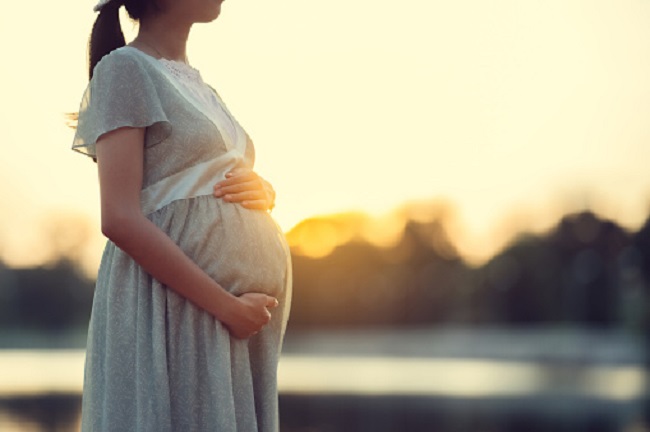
(245, 187)
(251, 314)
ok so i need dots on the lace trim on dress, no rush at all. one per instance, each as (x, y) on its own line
(191, 79)
(182, 70)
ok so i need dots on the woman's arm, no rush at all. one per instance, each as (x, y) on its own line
(120, 157)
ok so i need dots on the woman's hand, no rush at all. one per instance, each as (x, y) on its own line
(250, 315)
(245, 187)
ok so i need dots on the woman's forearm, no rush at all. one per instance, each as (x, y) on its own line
(120, 160)
(159, 256)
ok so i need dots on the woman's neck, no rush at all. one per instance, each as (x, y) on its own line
(162, 38)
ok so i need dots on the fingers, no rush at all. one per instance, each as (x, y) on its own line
(244, 196)
(271, 302)
(220, 190)
(246, 181)
(254, 316)
(266, 302)
(252, 199)
(233, 178)
(237, 171)
(256, 204)
(244, 186)
(240, 192)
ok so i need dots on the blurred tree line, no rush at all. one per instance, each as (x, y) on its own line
(52, 298)
(584, 271)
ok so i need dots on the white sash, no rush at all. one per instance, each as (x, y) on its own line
(189, 183)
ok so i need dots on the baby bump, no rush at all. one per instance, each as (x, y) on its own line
(242, 249)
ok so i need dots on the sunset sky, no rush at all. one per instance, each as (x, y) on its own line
(513, 112)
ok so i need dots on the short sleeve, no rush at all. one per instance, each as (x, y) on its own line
(120, 94)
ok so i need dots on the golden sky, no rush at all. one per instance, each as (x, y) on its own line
(513, 111)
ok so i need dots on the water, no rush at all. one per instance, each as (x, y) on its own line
(446, 381)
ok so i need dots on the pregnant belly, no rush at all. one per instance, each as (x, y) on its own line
(243, 250)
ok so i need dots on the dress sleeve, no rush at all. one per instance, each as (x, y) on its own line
(120, 94)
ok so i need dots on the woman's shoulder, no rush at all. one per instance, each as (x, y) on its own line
(124, 60)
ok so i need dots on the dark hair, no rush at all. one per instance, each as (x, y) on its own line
(106, 34)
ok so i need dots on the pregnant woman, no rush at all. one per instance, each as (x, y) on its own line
(192, 295)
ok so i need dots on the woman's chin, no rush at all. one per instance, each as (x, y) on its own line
(208, 19)
(216, 10)
(212, 14)
(216, 15)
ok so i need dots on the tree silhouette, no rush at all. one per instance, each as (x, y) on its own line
(50, 299)
(577, 273)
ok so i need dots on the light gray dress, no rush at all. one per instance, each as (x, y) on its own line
(155, 362)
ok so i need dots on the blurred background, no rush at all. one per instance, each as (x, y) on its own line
(464, 187)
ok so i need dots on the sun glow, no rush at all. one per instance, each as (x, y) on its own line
(513, 112)
(319, 236)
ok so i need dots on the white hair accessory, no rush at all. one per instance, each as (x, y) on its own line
(100, 5)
